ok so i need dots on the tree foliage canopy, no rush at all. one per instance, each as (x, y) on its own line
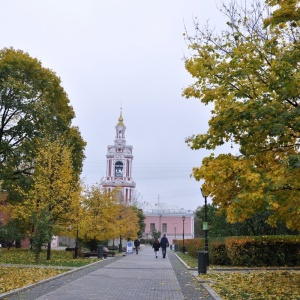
(220, 228)
(250, 74)
(33, 106)
(55, 188)
(104, 218)
(52, 202)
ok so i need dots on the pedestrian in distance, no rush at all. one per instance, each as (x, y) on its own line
(164, 243)
(156, 246)
(137, 245)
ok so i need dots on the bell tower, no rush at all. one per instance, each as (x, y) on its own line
(119, 165)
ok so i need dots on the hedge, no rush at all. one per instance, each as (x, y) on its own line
(264, 250)
(249, 251)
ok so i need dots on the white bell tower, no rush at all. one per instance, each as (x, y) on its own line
(119, 165)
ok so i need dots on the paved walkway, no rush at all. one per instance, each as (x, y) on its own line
(134, 276)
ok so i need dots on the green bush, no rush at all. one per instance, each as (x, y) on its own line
(263, 250)
(254, 251)
(179, 243)
(191, 246)
(218, 254)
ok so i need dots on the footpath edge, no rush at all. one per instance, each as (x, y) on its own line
(212, 293)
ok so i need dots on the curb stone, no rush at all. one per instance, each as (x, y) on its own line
(211, 291)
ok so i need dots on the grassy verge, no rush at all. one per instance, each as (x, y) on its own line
(192, 262)
(58, 258)
(254, 285)
(12, 277)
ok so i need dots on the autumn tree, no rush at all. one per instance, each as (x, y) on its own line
(52, 202)
(219, 227)
(105, 218)
(13, 230)
(141, 220)
(128, 222)
(100, 214)
(155, 234)
(286, 13)
(33, 106)
(249, 74)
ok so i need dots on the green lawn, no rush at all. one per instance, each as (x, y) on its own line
(58, 258)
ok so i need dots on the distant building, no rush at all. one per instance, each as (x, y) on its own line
(162, 217)
(168, 219)
(119, 165)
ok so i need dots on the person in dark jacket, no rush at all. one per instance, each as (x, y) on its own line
(156, 246)
(137, 245)
(164, 243)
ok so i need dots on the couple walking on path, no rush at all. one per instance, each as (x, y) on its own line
(163, 244)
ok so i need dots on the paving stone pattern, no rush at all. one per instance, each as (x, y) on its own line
(190, 287)
(135, 276)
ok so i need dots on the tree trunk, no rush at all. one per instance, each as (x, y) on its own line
(49, 251)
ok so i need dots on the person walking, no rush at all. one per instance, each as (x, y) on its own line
(156, 246)
(164, 243)
(137, 245)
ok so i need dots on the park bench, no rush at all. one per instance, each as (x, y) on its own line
(95, 254)
(112, 248)
(70, 249)
(106, 254)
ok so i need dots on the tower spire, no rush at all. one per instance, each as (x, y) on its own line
(120, 123)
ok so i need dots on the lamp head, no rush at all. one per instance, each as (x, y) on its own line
(183, 218)
(202, 192)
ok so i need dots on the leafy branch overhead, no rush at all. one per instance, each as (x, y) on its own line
(33, 106)
(249, 73)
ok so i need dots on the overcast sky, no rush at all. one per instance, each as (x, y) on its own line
(130, 53)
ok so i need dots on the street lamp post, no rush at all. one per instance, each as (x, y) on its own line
(175, 241)
(76, 246)
(120, 245)
(205, 223)
(183, 247)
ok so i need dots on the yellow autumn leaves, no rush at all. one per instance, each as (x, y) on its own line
(18, 267)
(16, 277)
(241, 284)
(256, 285)
(103, 217)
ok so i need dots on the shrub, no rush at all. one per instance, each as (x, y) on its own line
(218, 254)
(192, 246)
(260, 251)
(263, 250)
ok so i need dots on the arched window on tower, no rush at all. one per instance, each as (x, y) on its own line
(119, 169)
